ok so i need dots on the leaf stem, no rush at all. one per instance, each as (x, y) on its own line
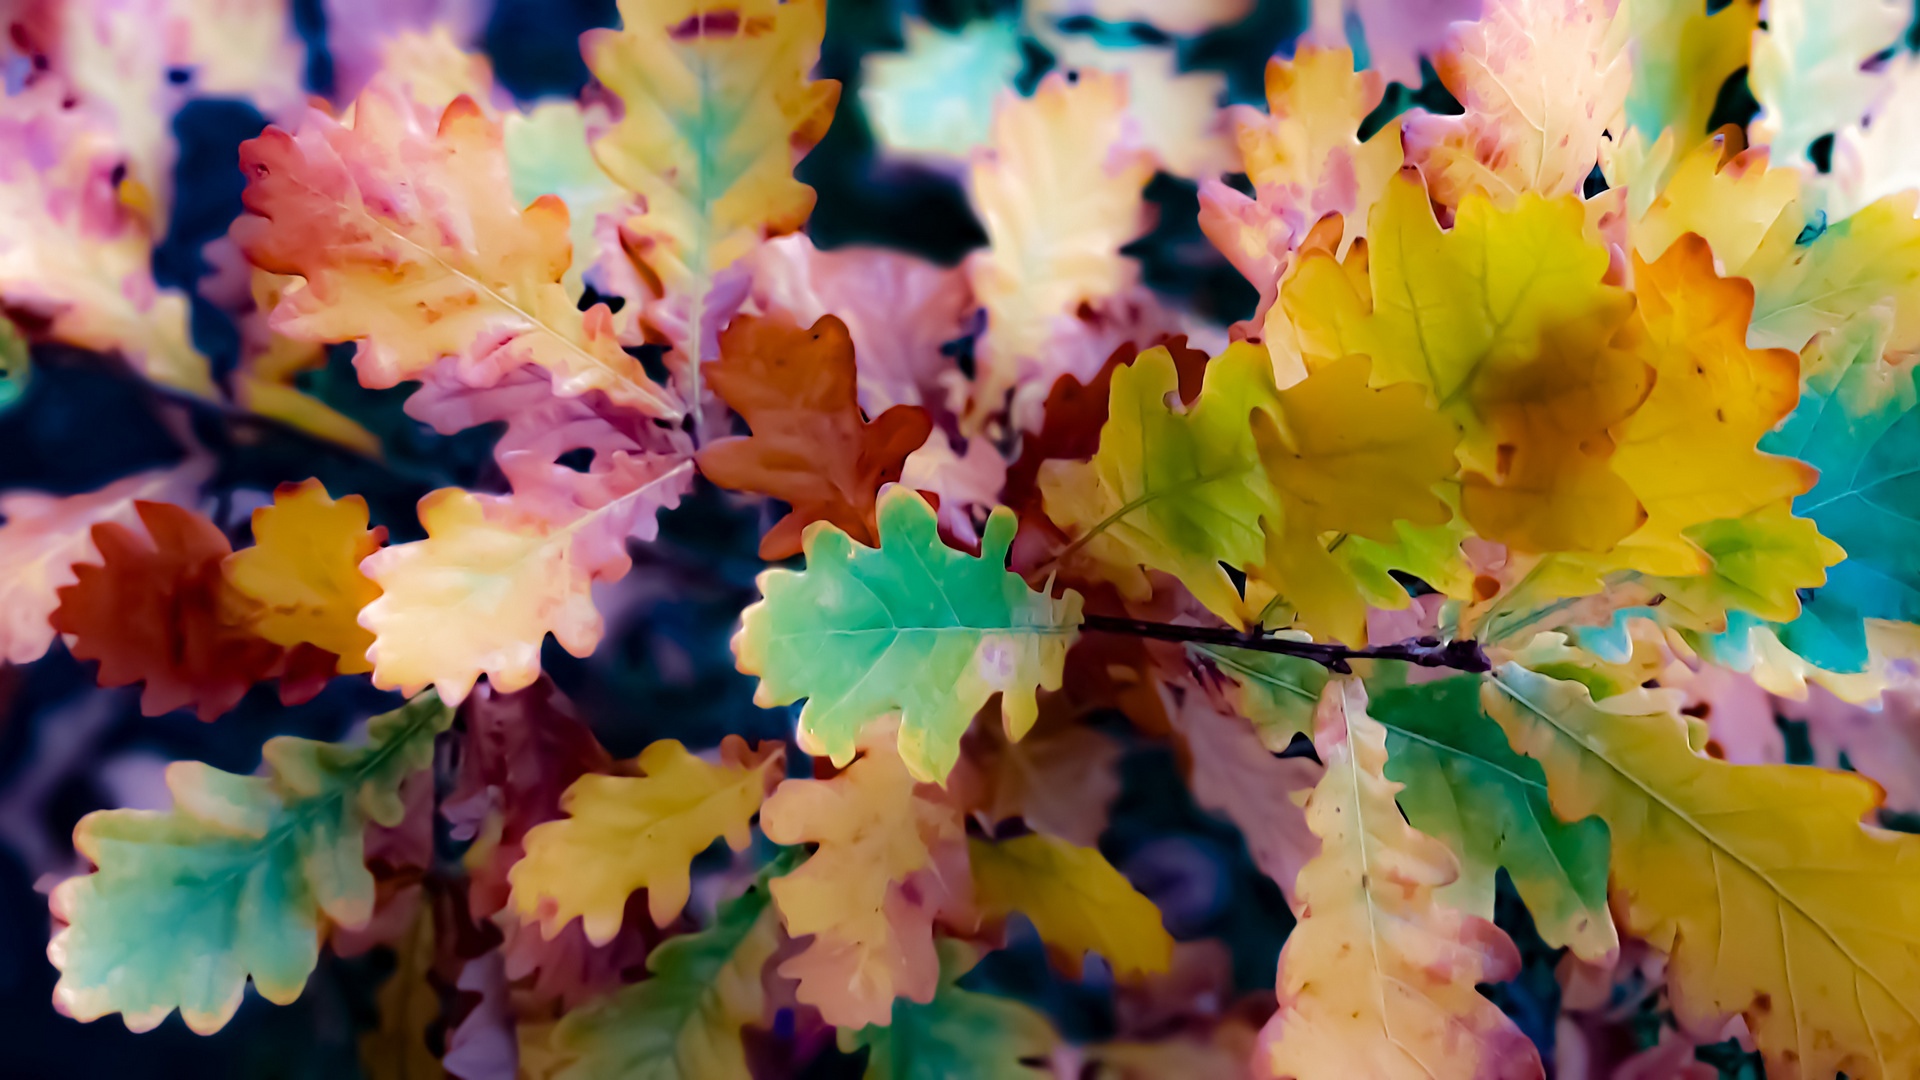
(1460, 655)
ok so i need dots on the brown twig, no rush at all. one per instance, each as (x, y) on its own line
(1463, 655)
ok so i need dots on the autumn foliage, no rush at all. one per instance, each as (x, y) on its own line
(1486, 646)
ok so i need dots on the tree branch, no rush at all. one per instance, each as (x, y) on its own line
(1462, 655)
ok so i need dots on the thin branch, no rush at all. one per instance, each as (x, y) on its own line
(1463, 655)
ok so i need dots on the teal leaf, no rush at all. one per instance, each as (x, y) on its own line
(912, 627)
(1857, 423)
(188, 902)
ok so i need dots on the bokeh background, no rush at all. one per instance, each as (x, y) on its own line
(68, 747)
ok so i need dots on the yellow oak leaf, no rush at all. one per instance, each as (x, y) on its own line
(1541, 82)
(1078, 903)
(1304, 154)
(1769, 895)
(1180, 492)
(410, 241)
(1346, 460)
(718, 110)
(623, 833)
(1712, 400)
(304, 569)
(1731, 199)
(1059, 194)
(490, 581)
(1758, 562)
(872, 938)
(1377, 979)
(1508, 323)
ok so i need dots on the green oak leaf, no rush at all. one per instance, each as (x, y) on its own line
(683, 1022)
(959, 1033)
(1277, 692)
(1465, 786)
(188, 902)
(912, 627)
(1178, 491)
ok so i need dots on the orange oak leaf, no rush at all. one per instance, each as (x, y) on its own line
(810, 446)
(406, 231)
(158, 609)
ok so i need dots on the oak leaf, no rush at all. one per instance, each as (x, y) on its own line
(304, 571)
(45, 536)
(158, 609)
(410, 241)
(521, 752)
(871, 890)
(1463, 785)
(911, 627)
(718, 111)
(796, 389)
(1759, 881)
(1078, 903)
(1346, 461)
(1059, 194)
(78, 256)
(624, 833)
(1858, 424)
(490, 581)
(1541, 82)
(1377, 979)
(1181, 492)
(957, 1033)
(1507, 320)
(1232, 775)
(232, 882)
(901, 312)
(683, 1021)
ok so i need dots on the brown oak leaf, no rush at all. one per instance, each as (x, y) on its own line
(810, 446)
(157, 609)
